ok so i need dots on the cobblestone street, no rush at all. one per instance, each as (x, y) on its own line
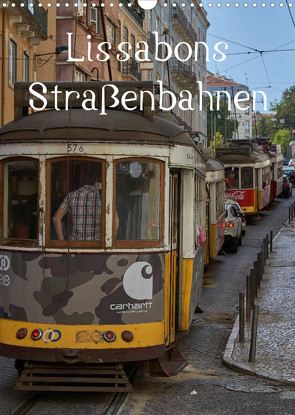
(206, 386)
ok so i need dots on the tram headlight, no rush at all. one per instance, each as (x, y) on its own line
(127, 336)
(36, 334)
(21, 333)
(109, 336)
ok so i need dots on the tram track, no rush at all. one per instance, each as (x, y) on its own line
(27, 405)
(116, 402)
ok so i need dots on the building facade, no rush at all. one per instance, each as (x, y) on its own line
(176, 25)
(243, 117)
(22, 29)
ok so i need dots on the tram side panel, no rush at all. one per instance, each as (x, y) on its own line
(101, 292)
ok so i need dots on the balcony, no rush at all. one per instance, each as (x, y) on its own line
(178, 14)
(183, 74)
(131, 67)
(28, 18)
(136, 13)
(151, 41)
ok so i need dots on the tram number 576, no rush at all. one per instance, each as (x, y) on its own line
(74, 148)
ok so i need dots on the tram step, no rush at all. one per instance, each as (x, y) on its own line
(82, 378)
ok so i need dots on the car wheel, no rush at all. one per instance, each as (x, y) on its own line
(243, 233)
(234, 245)
(240, 240)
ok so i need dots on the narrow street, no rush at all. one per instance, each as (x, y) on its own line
(205, 386)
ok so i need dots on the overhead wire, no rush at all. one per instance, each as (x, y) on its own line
(291, 16)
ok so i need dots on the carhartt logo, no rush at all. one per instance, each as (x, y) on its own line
(138, 281)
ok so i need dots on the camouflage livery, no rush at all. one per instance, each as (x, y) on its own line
(82, 289)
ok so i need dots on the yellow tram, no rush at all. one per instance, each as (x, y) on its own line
(122, 293)
(248, 176)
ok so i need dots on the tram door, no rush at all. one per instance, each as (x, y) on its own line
(174, 253)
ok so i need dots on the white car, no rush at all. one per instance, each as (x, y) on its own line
(233, 228)
(240, 213)
(291, 162)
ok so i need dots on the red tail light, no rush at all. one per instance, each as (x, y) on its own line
(36, 334)
(243, 219)
(109, 336)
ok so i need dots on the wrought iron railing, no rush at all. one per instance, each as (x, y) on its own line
(177, 13)
(36, 13)
(151, 42)
(138, 15)
(131, 67)
(182, 70)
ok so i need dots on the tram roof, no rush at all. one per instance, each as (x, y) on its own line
(240, 154)
(116, 126)
(213, 165)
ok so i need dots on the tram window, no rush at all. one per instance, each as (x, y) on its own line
(20, 199)
(76, 200)
(265, 177)
(247, 177)
(138, 200)
(280, 169)
(220, 195)
(232, 177)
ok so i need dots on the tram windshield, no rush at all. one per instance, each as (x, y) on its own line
(246, 177)
(20, 199)
(137, 195)
(76, 200)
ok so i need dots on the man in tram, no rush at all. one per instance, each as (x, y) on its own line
(84, 205)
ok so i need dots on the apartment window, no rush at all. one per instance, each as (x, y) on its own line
(247, 112)
(111, 33)
(80, 76)
(12, 62)
(125, 39)
(82, 11)
(26, 67)
(133, 46)
(94, 18)
(119, 41)
(247, 126)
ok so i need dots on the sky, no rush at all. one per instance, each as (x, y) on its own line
(259, 28)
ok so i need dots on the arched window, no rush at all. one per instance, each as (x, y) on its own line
(139, 189)
(75, 202)
(20, 201)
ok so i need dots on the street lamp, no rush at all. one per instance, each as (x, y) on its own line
(37, 61)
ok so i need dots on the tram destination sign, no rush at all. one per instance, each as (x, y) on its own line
(237, 150)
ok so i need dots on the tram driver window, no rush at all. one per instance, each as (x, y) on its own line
(76, 200)
(232, 177)
(20, 199)
(138, 189)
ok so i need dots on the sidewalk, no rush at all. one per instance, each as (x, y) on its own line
(275, 349)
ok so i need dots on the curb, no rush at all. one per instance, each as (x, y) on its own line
(248, 368)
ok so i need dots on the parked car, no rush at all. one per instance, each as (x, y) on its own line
(240, 212)
(233, 228)
(289, 171)
(287, 187)
(286, 162)
(291, 162)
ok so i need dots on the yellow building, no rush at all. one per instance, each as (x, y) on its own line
(23, 26)
(131, 29)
